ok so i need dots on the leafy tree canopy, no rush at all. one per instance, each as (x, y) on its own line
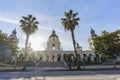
(5, 41)
(3, 38)
(108, 44)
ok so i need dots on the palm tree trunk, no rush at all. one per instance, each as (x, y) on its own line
(26, 43)
(73, 39)
(77, 59)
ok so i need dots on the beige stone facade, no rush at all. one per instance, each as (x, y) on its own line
(54, 53)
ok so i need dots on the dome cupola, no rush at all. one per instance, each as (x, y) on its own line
(53, 43)
(53, 34)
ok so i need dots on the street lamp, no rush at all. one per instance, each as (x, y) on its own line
(82, 58)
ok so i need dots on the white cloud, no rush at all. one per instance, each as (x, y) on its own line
(39, 39)
(8, 20)
(43, 18)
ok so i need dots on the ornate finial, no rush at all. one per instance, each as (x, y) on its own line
(53, 32)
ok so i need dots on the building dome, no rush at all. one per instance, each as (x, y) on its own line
(53, 43)
(53, 34)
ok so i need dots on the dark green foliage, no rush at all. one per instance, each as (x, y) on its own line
(4, 41)
(108, 44)
(3, 38)
(69, 59)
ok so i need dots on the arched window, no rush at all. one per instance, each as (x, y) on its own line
(53, 58)
(64, 57)
(53, 46)
(91, 58)
(53, 39)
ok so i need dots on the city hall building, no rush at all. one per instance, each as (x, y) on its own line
(54, 52)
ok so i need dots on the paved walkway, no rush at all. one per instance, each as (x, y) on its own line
(45, 74)
(62, 75)
(102, 77)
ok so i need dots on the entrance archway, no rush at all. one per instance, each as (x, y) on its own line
(58, 57)
(52, 58)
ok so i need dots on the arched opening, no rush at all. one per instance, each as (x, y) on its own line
(53, 46)
(39, 57)
(91, 58)
(72, 57)
(52, 58)
(84, 57)
(64, 57)
(58, 57)
(97, 58)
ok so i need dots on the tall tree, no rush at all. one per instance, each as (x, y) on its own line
(3, 38)
(69, 23)
(108, 44)
(29, 25)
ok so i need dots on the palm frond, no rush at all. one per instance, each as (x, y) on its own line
(29, 24)
(70, 21)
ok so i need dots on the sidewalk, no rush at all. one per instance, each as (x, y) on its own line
(95, 67)
(101, 66)
(87, 68)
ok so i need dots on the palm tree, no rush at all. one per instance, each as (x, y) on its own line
(28, 25)
(69, 23)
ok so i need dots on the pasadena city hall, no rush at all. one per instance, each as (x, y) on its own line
(54, 53)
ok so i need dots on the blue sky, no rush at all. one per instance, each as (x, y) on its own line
(98, 14)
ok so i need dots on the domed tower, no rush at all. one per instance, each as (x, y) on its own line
(90, 40)
(53, 43)
(13, 38)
